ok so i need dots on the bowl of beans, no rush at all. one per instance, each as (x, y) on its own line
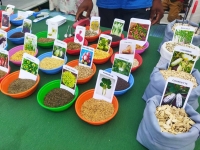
(15, 87)
(84, 73)
(72, 47)
(50, 65)
(16, 36)
(91, 36)
(16, 54)
(87, 110)
(101, 57)
(15, 20)
(54, 98)
(43, 41)
(136, 63)
(3, 74)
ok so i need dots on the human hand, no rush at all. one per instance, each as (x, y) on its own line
(157, 12)
(87, 6)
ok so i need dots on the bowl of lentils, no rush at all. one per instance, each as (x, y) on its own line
(15, 20)
(16, 36)
(91, 36)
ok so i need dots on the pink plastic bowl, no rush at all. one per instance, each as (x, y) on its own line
(146, 45)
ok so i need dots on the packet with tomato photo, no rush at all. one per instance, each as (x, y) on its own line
(4, 61)
(86, 56)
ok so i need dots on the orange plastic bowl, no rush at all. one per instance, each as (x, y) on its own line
(74, 63)
(137, 56)
(9, 79)
(86, 96)
(5, 74)
(5, 29)
(104, 60)
(92, 38)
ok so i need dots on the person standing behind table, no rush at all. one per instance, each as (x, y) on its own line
(123, 9)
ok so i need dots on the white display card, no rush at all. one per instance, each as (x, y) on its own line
(104, 42)
(27, 25)
(52, 30)
(5, 20)
(3, 39)
(79, 35)
(86, 56)
(59, 49)
(127, 46)
(117, 27)
(95, 24)
(10, 9)
(22, 14)
(4, 60)
(30, 42)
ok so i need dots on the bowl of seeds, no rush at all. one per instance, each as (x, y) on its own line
(72, 47)
(49, 64)
(84, 73)
(95, 111)
(16, 54)
(15, 87)
(16, 36)
(54, 98)
(140, 49)
(91, 36)
(15, 20)
(3, 74)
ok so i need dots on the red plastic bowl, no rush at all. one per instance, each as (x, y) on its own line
(9, 68)
(75, 51)
(137, 56)
(113, 44)
(92, 38)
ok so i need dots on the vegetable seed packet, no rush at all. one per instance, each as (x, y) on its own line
(30, 42)
(117, 27)
(27, 25)
(52, 30)
(29, 67)
(105, 86)
(176, 92)
(3, 39)
(59, 49)
(139, 30)
(22, 14)
(183, 59)
(79, 35)
(122, 65)
(10, 9)
(69, 78)
(104, 42)
(95, 24)
(5, 20)
(183, 34)
(4, 60)
(86, 56)
(127, 47)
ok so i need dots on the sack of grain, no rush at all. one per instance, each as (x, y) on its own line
(150, 135)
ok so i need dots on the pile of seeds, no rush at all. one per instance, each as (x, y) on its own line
(96, 110)
(51, 63)
(19, 55)
(20, 85)
(173, 120)
(135, 63)
(99, 54)
(45, 40)
(17, 35)
(58, 97)
(2, 73)
(121, 84)
(83, 72)
(73, 46)
(90, 33)
(170, 46)
(185, 24)
(183, 75)
(115, 38)
(138, 47)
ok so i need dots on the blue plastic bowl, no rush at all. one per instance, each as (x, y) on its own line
(15, 40)
(15, 22)
(131, 82)
(50, 71)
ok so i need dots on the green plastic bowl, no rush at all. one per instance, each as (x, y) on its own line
(46, 89)
(43, 34)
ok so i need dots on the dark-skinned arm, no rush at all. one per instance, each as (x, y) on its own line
(157, 12)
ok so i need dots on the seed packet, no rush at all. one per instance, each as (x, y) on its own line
(59, 49)
(69, 78)
(183, 59)
(29, 67)
(127, 47)
(22, 15)
(4, 60)
(10, 9)
(79, 35)
(52, 30)
(5, 20)
(30, 42)
(117, 27)
(183, 34)
(3, 39)
(86, 56)
(27, 25)
(105, 86)
(104, 42)
(139, 30)
(176, 92)
(95, 24)
(122, 65)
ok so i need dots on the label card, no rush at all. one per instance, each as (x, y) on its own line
(52, 30)
(30, 42)
(105, 86)
(139, 30)
(29, 67)
(5, 20)
(69, 78)
(10, 9)
(27, 25)
(22, 15)
(59, 49)
(86, 56)
(104, 42)
(122, 65)
(183, 34)
(4, 60)
(183, 59)
(176, 92)
(117, 27)
(95, 24)
(127, 47)
(79, 34)
(3, 39)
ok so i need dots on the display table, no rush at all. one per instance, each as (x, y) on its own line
(25, 125)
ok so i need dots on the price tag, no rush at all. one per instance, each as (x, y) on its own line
(22, 14)
(79, 35)
(5, 20)
(95, 24)
(3, 39)
(10, 9)
(27, 25)
(4, 60)
(127, 47)
(59, 49)
(86, 56)
(117, 27)
(52, 30)
(30, 42)
(104, 42)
